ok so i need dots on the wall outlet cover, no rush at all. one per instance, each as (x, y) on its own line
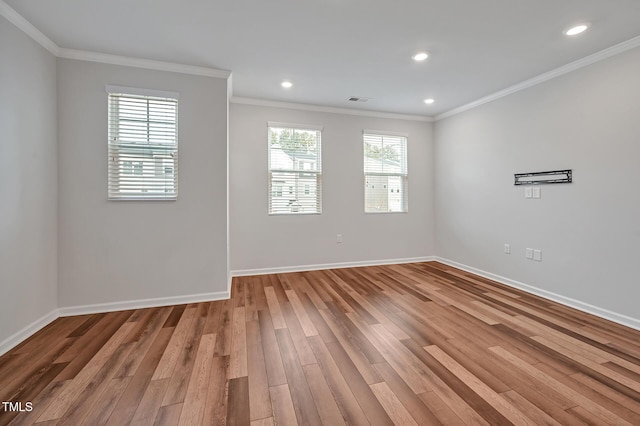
(537, 192)
(529, 253)
(537, 255)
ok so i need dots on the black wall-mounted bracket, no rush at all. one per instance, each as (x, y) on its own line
(537, 178)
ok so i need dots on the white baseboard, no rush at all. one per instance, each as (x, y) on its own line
(142, 303)
(568, 301)
(14, 340)
(318, 267)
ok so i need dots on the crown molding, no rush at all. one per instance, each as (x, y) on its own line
(565, 69)
(25, 26)
(105, 58)
(334, 110)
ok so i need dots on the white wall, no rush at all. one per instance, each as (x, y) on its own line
(28, 167)
(589, 231)
(262, 241)
(111, 251)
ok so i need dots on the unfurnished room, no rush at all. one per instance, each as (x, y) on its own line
(334, 212)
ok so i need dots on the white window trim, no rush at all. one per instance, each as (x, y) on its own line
(138, 91)
(297, 126)
(405, 176)
(152, 93)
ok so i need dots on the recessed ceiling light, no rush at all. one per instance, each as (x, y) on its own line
(429, 101)
(420, 56)
(577, 29)
(286, 84)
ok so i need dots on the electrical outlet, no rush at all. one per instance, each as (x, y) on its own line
(537, 255)
(507, 248)
(339, 238)
(529, 253)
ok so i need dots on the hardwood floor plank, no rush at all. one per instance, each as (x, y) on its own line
(91, 394)
(263, 422)
(238, 359)
(168, 415)
(215, 410)
(283, 410)
(326, 403)
(145, 340)
(306, 323)
(485, 392)
(421, 343)
(576, 396)
(72, 393)
(194, 402)
(150, 404)
(87, 346)
(361, 390)
(259, 401)
(392, 405)
(346, 340)
(346, 401)
(274, 308)
(418, 410)
(238, 407)
(303, 402)
(135, 391)
(170, 356)
(184, 364)
(272, 357)
(101, 411)
(442, 411)
(223, 333)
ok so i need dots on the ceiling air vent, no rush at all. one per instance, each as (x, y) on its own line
(358, 99)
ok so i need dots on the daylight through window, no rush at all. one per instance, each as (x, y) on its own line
(143, 147)
(295, 169)
(385, 173)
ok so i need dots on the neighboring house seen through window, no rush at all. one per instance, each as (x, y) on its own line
(385, 173)
(294, 164)
(143, 144)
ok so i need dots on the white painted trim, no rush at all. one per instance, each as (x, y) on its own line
(126, 61)
(334, 110)
(142, 303)
(567, 301)
(384, 133)
(294, 126)
(14, 340)
(318, 267)
(139, 91)
(565, 69)
(25, 26)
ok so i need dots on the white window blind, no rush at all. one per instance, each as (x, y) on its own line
(143, 147)
(295, 169)
(385, 173)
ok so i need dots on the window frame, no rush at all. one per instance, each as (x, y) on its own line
(301, 173)
(159, 149)
(404, 176)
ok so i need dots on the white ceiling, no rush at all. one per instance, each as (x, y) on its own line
(334, 49)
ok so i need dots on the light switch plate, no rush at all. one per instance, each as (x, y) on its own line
(537, 255)
(536, 192)
(529, 253)
(528, 192)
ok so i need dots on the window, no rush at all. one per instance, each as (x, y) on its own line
(385, 173)
(295, 164)
(143, 144)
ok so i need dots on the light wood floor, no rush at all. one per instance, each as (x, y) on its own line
(406, 344)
